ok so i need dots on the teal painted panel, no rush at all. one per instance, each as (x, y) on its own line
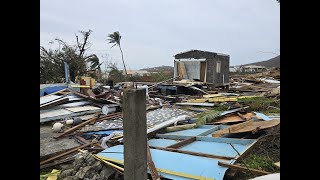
(188, 132)
(215, 148)
(206, 126)
(177, 162)
(161, 142)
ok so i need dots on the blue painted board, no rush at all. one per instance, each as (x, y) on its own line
(105, 132)
(162, 142)
(177, 162)
(188, 132)
(262, 116)
(215, 148)
(206, 126)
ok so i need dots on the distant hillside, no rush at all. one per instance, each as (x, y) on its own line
(273, 62)
(159, 69)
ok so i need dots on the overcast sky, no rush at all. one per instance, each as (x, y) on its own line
(154, 31)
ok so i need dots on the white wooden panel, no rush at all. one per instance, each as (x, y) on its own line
(48, 98)
(54, 113)
(83, 108)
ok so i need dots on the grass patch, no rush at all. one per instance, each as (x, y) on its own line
(220, 108)
(259, 162)
(208, 116)
(261, 104)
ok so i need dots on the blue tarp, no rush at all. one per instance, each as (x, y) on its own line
(53, 89)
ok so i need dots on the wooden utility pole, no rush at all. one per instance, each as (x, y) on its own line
(135, 134)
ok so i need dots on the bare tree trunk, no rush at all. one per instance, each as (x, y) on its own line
(125, 70)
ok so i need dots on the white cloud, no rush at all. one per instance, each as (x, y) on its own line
(152, 32)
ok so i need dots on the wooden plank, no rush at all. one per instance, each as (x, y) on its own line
(196, 104)
(68, 115)
(82, 108)
(66, 153)
(182, 70)
(193, 153)
(109, 116)
(228, 119)
(183, 143)
(248, 126)
(54, 113)
(255, 171)
(152, 167)
(87, 142)
(54, 103)
(202, 71)
(180, 127)
(277, 164)
(49, 98)
(76, 127)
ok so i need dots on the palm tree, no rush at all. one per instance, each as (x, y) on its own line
(115, 39)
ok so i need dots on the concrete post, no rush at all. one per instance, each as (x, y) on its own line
(135, 134)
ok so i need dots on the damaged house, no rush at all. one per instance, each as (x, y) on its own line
(209, 67)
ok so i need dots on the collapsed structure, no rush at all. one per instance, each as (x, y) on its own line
(192, 132)
(209, 67)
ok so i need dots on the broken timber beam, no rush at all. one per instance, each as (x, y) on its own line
(152, 167)
(254, 171)
(193, 153)
(87, 142)
(183, 143)
(94, 119)
(66, 153)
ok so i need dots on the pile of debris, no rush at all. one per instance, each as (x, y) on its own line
(186, 123)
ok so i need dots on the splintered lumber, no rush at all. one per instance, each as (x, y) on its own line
(241, 116)
(248, 126)
(76, 127)
(277, 164)
(66, 153)
(193, 153)
(231, 118)
(180, 127)
(182, 70)
(233, 166)
(152, 167)
(223, 99)
(94, 119)
(87, 142)
(183, 143)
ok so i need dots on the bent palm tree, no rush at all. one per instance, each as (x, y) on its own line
(115, 39)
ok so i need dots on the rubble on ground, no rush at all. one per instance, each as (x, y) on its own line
(247, 114)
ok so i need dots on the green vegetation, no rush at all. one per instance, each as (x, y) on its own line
(261, 104)
(259, 162)
(52, 61)
(45, 173)
(208, 116)
(220, 108)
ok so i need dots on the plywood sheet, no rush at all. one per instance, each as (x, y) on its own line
(53, 113)
(83, 108)
(48, 98)
(248, 126)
